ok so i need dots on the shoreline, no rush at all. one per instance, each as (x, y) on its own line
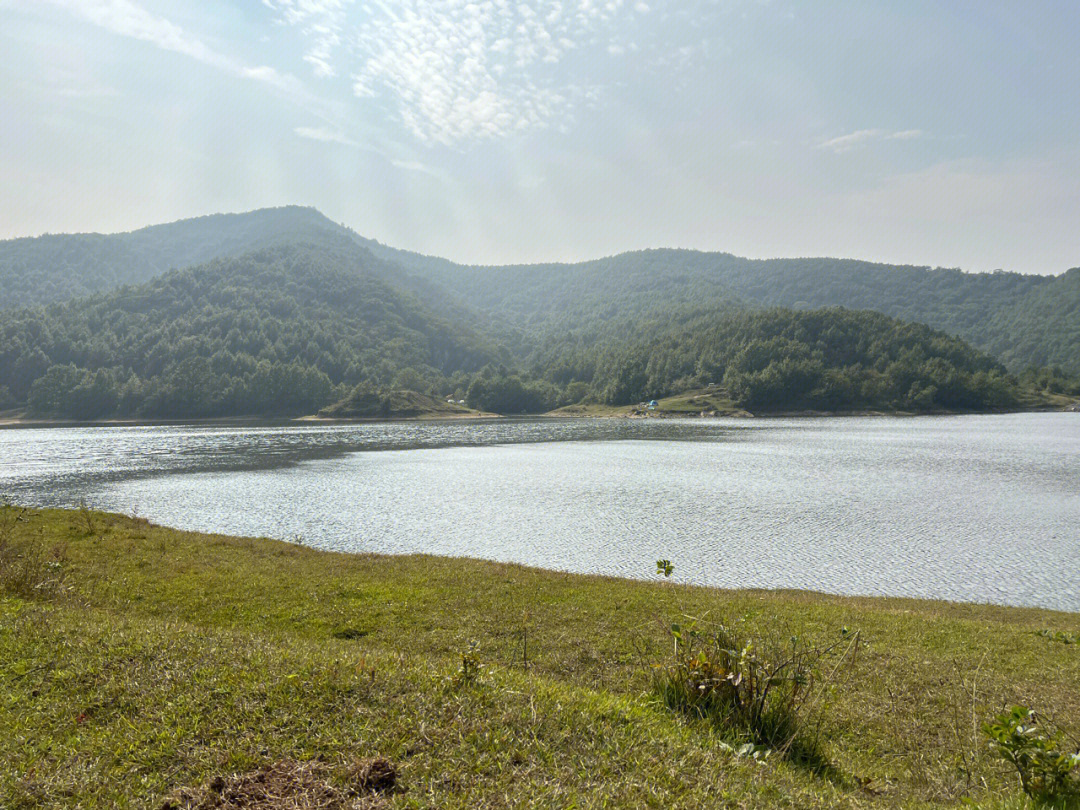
(239, 421)
(13, 422)
(832, 597)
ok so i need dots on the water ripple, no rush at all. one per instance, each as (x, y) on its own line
(982, 509)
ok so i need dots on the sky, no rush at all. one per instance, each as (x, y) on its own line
(497, 131)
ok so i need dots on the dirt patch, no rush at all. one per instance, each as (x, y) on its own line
(291, 785)
(376, 775)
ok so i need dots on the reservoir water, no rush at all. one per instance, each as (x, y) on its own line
(966, 508)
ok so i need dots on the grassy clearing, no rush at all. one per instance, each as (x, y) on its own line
(169, 658)
(1037, 400)
(711, 401)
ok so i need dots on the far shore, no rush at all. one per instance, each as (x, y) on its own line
(20, 420)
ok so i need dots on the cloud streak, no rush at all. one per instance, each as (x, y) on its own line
(862, 137)
(127, 18)
(325, 135)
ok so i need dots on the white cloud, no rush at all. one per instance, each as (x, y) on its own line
(326, 135)
(845, 143)
(456, 70)
(127, 18)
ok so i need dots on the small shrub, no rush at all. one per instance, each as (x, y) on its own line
(766, 696)
(32, 571)
(87, 516)
(471, 670)
(1048, 771)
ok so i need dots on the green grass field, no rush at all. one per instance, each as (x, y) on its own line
(136, 660)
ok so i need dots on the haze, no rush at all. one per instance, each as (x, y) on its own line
(494, 132)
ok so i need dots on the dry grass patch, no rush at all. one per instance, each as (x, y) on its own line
(292, 785)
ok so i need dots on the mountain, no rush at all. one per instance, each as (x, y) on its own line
(287, 330)
(292, 329)
(58, 267)
(285, 312)
(1023, 320)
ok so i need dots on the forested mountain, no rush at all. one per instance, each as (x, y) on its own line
(1050, 317)
(284, 330)
(1022, 320)
(64, 266)
(776, 359)
(286, 312)
(292, 329)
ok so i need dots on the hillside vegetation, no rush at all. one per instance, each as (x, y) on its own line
(290, 314)
(292, 330)
(1022, 320)
(59, 267)
(780, 359)
(284, 330)
(137, 660)
(368, 402)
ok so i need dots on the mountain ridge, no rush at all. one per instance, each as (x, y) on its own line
(1023, 320)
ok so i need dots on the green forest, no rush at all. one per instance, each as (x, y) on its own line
(286, 313)
(1022, 320)
(282, 331)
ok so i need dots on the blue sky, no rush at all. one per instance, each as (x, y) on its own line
(495, 131)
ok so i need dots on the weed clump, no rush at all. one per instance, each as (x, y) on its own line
(763, 697)
(27, 569)
(471, 670)
(1060, 636)
(1049, 772)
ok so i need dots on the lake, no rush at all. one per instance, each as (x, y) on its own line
(967, 508)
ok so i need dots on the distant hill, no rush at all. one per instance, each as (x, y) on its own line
(293, 329)
(283, 330)
(1023, 320)
(58, 267)
(283, 311)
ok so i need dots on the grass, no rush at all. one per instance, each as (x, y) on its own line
(400, 404)
(712, 401)
(1036, 400)
(170, 658)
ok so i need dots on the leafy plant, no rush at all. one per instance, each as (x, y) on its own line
(665, 567)
(471, 667)
(1059, 635)
(1037, 749)
(765, 696)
